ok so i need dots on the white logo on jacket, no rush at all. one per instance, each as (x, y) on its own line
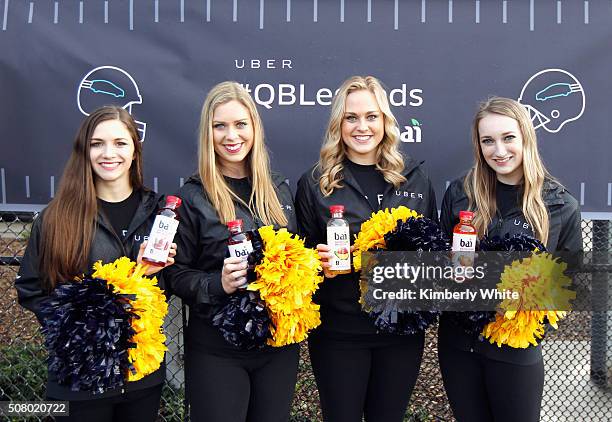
(137, 237)
(518, 222)
(406, 194)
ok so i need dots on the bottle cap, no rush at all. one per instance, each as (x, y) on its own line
(466, 215)
(173, 201)
(336, 208)
(234, 224)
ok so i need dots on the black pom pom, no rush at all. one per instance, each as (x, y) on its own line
(517, 243)
(255, 257)
(390, 320)
(414, 234)
(474, 322)
(417, 234)
(87, 329)
(244, 320)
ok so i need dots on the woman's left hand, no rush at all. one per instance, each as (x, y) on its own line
(153, 269)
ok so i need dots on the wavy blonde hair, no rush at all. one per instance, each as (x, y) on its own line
(264, 201)
(481, 180)
(389, 160)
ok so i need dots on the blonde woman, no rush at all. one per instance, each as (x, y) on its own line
(359, 372)
(511, 192)
(234, 181)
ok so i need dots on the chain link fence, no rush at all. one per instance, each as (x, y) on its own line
(577, 357)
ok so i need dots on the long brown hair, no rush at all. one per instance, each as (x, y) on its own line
(264, 200)
(481, 180)
(389, 160)
(69, 222)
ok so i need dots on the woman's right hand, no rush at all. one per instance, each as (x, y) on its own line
(233, 274)
(325, 255)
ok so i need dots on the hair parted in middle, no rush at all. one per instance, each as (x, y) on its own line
(264, 200)
(481, 180)
(68, 226)
(389, 160)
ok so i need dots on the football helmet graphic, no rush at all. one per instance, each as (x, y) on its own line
(106, 85)
(553, 97)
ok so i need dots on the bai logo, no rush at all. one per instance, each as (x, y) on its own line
(340, 236)
(412, 132)
(466, 243)
(106, 85)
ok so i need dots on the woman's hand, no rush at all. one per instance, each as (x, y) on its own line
(153, 269)
(233, 274)
(326, 255)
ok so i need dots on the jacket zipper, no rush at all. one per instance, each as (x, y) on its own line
(104, 224)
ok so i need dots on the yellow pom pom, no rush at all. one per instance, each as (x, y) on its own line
(149, 304)
(287, 277)
(372, 233)
(542, 286)
(519, 329)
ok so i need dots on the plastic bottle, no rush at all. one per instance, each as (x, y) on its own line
(239, 242)
(465, 236)
(338, 239)
(162, 233)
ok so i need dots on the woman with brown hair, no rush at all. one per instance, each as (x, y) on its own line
(102, 211)
(511, 192)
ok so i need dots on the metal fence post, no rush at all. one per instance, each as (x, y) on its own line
(599, 292)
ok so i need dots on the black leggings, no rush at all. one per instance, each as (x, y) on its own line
(480, 389)
(140, 405)
(256, 387)
(365, 375)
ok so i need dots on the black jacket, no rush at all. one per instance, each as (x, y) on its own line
(106, 246)
(338, 296)
(564, 235)
(196, 275)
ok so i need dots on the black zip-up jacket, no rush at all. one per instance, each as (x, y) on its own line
(564, 235)
(196, 275)
(338, 296)
(106, 246)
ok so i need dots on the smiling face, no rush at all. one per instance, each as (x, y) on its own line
(111, 152)
(362, 127)
(232, 137)
(501, 144)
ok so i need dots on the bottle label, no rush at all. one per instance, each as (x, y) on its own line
(464, 242)
(339, 241)
(464, 247)
(241, 250)
(160, 239)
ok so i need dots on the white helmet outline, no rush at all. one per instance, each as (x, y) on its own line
(107, 87)
(551, 91)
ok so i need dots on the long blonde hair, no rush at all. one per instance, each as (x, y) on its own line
(389, 160)
(481, 180)
(264, 201)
